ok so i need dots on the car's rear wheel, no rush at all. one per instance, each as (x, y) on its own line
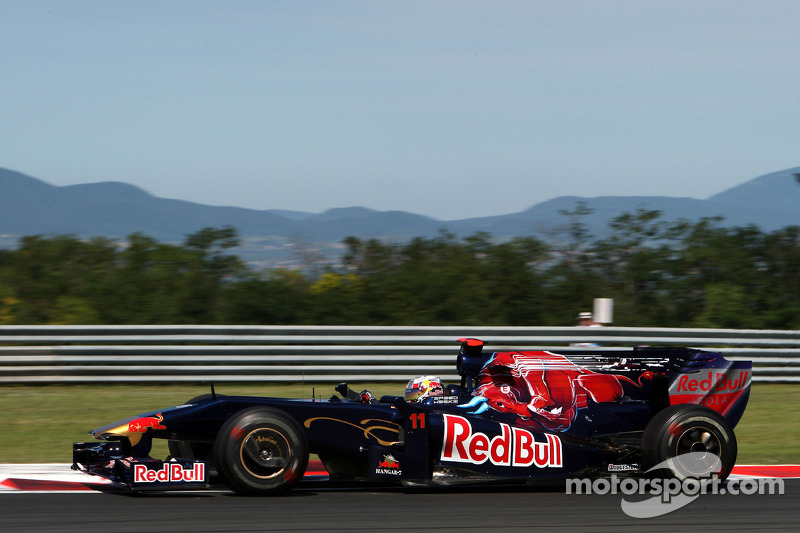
(261, 451)
(689, 441)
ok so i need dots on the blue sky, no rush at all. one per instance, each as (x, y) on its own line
(451, 109)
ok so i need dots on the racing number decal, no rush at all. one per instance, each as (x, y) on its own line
(417, 420)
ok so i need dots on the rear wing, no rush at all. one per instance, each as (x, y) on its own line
(707, 378)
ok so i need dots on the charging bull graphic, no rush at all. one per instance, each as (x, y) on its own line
(546, 388)
(144, 423)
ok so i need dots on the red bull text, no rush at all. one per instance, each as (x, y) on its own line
(170, 473)
(514, 447)
(718, 390)
(718, 381)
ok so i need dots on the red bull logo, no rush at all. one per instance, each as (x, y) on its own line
(719, 390)
(716, 381)
(146, 422)
(170, 473)
(514, 447)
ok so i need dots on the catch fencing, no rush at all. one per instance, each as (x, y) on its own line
(331, 354)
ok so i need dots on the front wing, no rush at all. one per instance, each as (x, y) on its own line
(106, 459)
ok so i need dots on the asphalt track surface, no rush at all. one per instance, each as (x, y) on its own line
(313, 507)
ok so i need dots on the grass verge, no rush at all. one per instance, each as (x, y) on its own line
(40, 423)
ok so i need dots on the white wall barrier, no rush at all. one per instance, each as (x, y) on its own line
(330, 354)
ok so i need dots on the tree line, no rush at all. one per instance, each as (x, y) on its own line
(659, 273)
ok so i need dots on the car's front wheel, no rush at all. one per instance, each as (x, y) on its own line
(261, 451)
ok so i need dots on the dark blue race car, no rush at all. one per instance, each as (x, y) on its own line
(516, 416)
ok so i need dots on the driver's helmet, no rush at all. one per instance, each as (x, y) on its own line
(422, 387)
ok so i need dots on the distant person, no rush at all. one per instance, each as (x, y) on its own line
(586, 320)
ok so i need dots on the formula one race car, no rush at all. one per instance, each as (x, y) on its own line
(518, 416)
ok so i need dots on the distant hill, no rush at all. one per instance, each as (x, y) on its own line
(30, 206)
(770, 202)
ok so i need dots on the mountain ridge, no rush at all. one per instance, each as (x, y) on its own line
(31, 206)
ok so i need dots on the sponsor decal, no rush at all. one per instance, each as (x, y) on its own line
(513, 447)
(716, 381)
(624, 468)
(144, 423)
(718, 390)
(170, 473)
(449, 400)
(389, 466)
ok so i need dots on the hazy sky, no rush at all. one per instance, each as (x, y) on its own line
(451, 109)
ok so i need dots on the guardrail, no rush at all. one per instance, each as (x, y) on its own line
(72, 354)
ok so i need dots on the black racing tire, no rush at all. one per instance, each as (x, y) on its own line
(261, 451)
(688, 441)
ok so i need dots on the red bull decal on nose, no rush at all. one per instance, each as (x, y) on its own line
(513, 447)
(144, 423)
